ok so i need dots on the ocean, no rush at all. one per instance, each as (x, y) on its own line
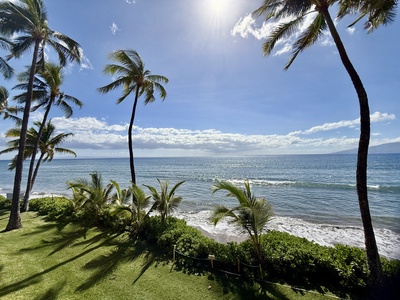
(313, 196)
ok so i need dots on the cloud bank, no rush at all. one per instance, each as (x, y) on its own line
(93, 134)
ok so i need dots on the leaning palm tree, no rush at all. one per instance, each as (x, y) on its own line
(46, 94)
(251, 215)
(165, 202)
(27, 19)
(291, 15)
(133, 77)
(134, 203)
(49, 145)
(91, 197)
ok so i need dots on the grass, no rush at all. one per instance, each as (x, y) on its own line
(48, 260)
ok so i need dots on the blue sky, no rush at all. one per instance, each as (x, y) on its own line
(224, 97)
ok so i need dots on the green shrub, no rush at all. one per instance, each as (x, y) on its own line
(54, 208)
(4, 203)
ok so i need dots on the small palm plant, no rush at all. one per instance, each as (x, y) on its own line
(251, 215)
(133, 203)
(165, 202)
(91, 197)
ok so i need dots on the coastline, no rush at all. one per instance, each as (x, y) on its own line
(324, 234)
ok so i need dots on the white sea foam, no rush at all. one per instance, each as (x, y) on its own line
(323, 234)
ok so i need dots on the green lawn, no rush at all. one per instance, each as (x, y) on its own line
(47, 260)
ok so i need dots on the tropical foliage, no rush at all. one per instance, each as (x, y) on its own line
(251, 215)
(132, 202)
(26, 20)
(165, 201)
(133, 78)
(47, 93)
(91, 197)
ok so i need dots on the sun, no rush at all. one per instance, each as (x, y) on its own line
(217, 6)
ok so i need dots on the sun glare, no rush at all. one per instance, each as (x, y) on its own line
(217, 6)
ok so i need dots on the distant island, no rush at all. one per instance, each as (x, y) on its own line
(390, 148)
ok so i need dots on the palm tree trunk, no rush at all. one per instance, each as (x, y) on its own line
(30, 180)
(130, 144)
(37, 168)
(373, 260)
(14, 221)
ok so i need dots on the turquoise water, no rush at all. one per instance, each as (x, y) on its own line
(314, 188)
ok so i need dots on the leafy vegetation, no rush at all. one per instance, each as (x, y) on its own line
(341, 270)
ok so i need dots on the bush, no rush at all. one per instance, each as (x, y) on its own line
(54, 208)
(4, 203)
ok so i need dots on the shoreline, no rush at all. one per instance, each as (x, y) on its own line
(387, 240)
(322, 234)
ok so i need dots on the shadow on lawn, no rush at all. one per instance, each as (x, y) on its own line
(36, 278)
(243, 288)
(52, 293)
(125, 250)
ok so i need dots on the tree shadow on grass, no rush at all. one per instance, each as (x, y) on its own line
(52, 293)
(125, 250)
(4, 214)
(36, 278)
(62, 240)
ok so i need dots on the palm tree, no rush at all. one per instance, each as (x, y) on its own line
(28, 20)
(134, 202)
(9, 112)
(165, 201)
(91, 196)
(49, 145)
(3, 99)
(5, 68)
(46, 93)
(251, 215)
(291, 15)
(133, 77)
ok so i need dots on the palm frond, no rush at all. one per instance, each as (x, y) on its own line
(308, 37)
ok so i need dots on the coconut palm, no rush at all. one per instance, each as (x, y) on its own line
(134, 203)
(91, 196)
(27, 19)
(49, 145)
(133, 77)
(165, 201)
(8, 112)
(46, 94)
(290, 15)
(5, 68)
(3, 99)
(251, 215)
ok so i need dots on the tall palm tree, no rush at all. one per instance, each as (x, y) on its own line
(49, 145)
(28, 20)
(91, 196)
(46, 93)
(165, 202)
(133, 77)
(291, 15)
(251, 215)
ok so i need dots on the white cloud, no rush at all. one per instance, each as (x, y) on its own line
(91, 133)
(350, 30)
(247, 26)
(93, 137)
(130, 1)
(375, 117)
(114, 28)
